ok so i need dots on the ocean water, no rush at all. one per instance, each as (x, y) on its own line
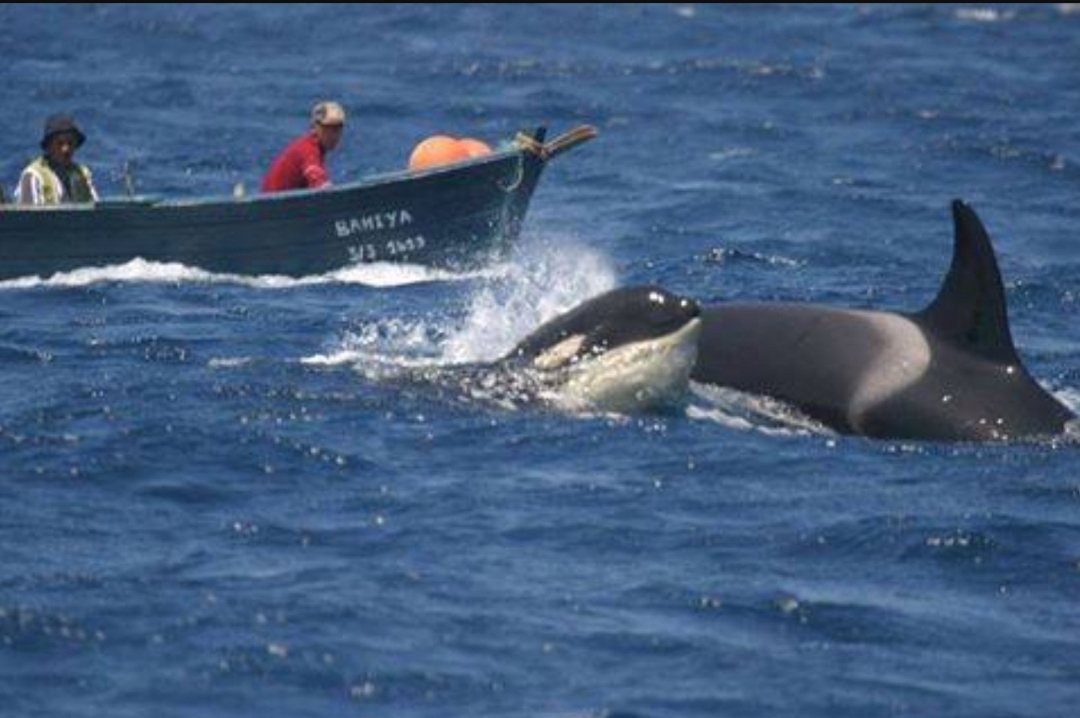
(216, 501)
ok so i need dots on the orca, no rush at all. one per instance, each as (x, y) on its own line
(948, 372)
(625, 351)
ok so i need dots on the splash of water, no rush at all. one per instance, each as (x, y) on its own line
(538, 282)
(546, 280)
(452, 349)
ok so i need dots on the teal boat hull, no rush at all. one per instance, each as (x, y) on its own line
(455, 216)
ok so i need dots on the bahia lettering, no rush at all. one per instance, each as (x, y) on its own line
(379, 221)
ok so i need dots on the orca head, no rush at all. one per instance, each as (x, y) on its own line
(624, 351)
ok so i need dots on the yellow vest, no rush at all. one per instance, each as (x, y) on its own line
(51, 190)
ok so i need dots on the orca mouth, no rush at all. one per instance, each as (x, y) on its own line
(636, 377)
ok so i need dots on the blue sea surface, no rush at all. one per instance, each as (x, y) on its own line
(216, 500)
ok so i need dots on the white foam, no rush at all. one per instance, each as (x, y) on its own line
(381, 347)
(228, 362)
(1068, 396)
(1071, 434)
(377, 274)
(984, 14)
(335, 357)
(741, 411)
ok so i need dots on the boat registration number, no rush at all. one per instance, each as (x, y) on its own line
(390, 249)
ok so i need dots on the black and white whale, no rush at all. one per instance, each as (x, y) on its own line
(625, 351)
(948, 372)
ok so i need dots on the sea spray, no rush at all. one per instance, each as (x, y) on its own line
(509, 301)
(544, 280)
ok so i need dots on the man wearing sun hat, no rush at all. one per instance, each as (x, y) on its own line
(55, 177)
(301, 165)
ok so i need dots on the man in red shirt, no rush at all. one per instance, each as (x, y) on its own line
(301, 164)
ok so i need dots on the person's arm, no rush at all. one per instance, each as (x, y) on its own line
(315, 174)
(313, 169)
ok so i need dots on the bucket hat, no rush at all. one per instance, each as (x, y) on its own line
(58, 124)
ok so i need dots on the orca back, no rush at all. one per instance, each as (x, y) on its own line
(950, 371)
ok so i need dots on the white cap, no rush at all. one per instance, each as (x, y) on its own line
(328, 113)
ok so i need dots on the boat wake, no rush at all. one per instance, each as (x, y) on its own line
(375, 274)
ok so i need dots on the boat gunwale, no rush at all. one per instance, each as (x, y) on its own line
(382, 179)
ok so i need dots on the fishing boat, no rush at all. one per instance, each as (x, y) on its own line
(454, 216)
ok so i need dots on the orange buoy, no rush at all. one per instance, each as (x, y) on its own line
(475, 148)
(437, 150)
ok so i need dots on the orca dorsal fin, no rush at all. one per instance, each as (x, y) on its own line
(970, 307)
